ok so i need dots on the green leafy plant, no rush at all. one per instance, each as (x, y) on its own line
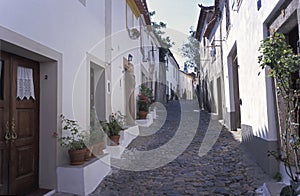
(75, 140)
(283, 65)
(114, 125)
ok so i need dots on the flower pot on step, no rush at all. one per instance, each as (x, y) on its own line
(77, 156)
(88, 154)
(97, 149)
(143, 114)
(114, 140)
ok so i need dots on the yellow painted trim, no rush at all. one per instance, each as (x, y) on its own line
(134, 8)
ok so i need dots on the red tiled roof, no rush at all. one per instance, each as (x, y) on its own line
(210, 14)
(142, 6)
(204, 13)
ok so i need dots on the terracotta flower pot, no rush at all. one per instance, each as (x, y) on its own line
(143, 114)
(114, 140)
(77, 156)
(97, 149)
(88, 154)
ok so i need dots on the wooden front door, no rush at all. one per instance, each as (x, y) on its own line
(19, 128)
(236, 89)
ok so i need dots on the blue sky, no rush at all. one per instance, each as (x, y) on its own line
(179, 15)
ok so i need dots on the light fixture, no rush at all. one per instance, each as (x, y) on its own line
(129, 57)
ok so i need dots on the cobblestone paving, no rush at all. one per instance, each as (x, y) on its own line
(225, 170)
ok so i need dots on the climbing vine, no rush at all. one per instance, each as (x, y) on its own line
(283, 66)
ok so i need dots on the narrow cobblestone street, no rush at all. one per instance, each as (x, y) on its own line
(225, 170)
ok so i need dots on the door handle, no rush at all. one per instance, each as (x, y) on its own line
(7, 136)
(14, 135)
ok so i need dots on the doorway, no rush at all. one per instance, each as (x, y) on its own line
(97, 91)
(129, 83)
(19, 124)
(236, 90)
(219, 103)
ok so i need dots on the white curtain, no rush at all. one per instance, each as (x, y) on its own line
(25, 86)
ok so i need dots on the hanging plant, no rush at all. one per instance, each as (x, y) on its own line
(134, 33)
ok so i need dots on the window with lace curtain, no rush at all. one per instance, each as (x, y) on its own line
(25, 87)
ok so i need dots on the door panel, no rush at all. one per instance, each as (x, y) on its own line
(25, 118)
(4, 117)
(236, 92)
(19, 118)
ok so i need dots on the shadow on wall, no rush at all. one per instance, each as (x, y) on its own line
(248, 135)
(259, 148)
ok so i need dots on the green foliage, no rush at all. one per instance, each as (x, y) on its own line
(283, 65)
(190, 50)
(75, 139)
(157, 28)
(278, 55)
(287, 191)
(114, 125)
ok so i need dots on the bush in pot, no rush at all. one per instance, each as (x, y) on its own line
(74, 141)
(145, 99)
(112, 128)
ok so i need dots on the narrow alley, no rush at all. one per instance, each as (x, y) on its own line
(149, 97)
(224, 170)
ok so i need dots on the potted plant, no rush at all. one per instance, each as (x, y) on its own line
(283, 66)
(74, 141)
(134, 33)
(145, 99)
(112, 129)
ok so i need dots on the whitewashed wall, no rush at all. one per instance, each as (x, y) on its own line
(185, 85)
(258, 116)
(65, 26)
(172, 75)
(69, 31)
(247, 32)
(122, 46)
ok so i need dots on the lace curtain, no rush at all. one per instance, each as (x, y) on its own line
(25, 88)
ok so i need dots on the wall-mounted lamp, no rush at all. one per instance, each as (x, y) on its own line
(130, 57)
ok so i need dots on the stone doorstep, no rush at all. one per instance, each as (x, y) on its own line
(272, 188)
(145, 122)
(126, 138)
(83, 179)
